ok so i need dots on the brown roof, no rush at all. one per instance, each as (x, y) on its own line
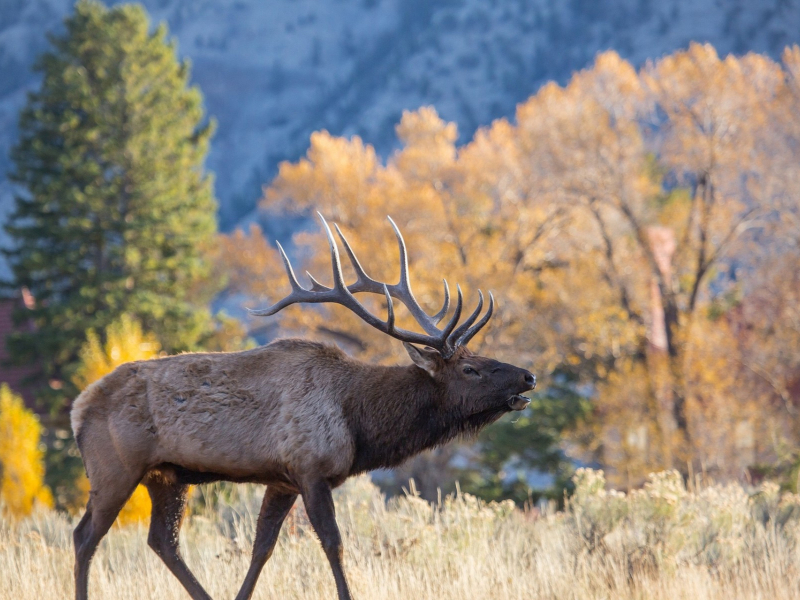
(11, 374)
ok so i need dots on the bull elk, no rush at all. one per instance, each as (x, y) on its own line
(296, 415)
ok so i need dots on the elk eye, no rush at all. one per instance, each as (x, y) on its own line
(470, 371)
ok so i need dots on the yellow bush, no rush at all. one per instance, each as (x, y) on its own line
(137, 508)
(21, 458)
(125, 342)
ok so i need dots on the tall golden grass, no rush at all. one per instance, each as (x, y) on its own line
(660, 542)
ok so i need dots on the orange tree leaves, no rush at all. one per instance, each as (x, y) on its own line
(624, 221)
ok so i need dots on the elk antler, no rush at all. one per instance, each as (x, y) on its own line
(444, 340)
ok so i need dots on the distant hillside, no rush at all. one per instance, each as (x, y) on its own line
(273, 72)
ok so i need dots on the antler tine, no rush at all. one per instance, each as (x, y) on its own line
(288, 266)
(336, 263)
(400, 291)
(316, 286)
(389, 311)
(365, 283)
(404, 282)
(447, 348)
(445, 306)
(464, 327)
(470, 333)
(297, 289)
(341, 294)
(444, 340)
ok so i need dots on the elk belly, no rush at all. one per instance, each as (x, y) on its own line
(214, 430)
(224, 429)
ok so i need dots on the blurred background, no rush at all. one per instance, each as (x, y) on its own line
(623, 175)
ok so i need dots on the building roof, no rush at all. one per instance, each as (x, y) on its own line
(13, 375)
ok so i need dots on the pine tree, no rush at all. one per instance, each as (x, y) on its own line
(115, 209)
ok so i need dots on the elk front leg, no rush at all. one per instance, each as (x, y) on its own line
(322, 514)
(274, 508)
(169, 505)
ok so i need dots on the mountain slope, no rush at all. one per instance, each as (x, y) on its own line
(273, 72)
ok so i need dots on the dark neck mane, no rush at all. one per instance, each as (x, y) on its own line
(398, 412)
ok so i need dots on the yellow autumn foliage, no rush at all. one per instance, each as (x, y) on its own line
(21, 457)
(124, 342)
(627, 223)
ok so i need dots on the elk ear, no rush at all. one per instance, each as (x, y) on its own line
(425, 358)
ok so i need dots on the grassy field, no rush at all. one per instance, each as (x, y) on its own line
(663, 541)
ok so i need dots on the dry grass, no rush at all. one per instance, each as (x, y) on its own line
(662, 542)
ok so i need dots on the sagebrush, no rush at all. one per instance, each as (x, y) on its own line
(664, 541)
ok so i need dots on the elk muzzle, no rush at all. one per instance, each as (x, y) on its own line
(518, 401)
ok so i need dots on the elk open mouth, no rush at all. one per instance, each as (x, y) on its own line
(518, 402)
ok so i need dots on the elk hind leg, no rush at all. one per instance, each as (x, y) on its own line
(169, 505)
(105, 502)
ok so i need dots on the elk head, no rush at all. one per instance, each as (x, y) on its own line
(481, 388)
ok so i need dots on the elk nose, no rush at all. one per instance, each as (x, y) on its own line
(530, 379)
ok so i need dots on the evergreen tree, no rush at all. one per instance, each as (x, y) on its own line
(526, 443)
(115, 208)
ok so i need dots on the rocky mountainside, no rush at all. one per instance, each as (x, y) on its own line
(273, 72)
